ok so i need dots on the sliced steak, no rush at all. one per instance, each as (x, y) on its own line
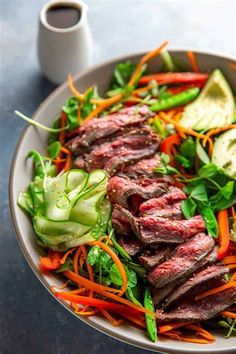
(114, 155)
(172, 211)
(131, 245)
(104, 127)
(121, 189)
(156, 229)
(201, 281)
(184, 261)
(162, 293)
(172, 196)
(123, 221)
(149, 259)
(141, 168)
(203, 309)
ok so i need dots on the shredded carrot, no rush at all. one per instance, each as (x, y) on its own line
(143, 60)
(170, 326)
(75, 92)
(88, 266)
(65, 150)
(76, 259)
(229, 259)
(118, 263)
(103, 105)
(217, 131)
(205, 334)
(186, 339)
(181, 129)
(59, 160)
(233, 214)
(77, 291)
(103, 290)
(231, 266)
(66, 255)
(113, 321)
(107, 239)
(86, 313)
(233, 278)
(143, 89)
(216, 290)
(223, 238)
(81, 260)
(134, 318)
(193, 61)
(228, 314)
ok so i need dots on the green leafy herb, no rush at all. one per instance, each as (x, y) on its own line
(227, 190)
(208, 170)
(130, 296)
(122, 74)
(54, 149)
(71, 109)
(197, 192)
(188, 207)
(165, 169)
(210, 220)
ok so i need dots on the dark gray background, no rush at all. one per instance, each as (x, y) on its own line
(31, 320)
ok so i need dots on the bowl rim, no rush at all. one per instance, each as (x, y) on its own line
(160, 345)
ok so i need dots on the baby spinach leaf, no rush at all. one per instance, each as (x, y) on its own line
(54, 149)
(210, 220)
(122, 74)
(188, 207)
(208, 170)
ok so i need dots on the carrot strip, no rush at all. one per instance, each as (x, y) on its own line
(205, 334)
(217, 131)
(86, 313)
(107, 239)
(231, 266)
(143, 89)
(233, 214)
(75, 92)
(192, 58)
(88, 266)
(228, 314)
(143, 60)
(76, 259)
(181, 129)
(223, 238)
(134, 318)
(216, 290)
(186, 339)
(170, 326)
(233, 278)
(104, 290)
(103, 105)
(229, 259)
(114, 322)
(59, 160)
(117, 261)
(66, 255)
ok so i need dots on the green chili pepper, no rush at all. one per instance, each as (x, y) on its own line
(176, 100)
(150, 320)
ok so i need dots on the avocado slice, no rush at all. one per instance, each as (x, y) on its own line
(213, 108)
(224, 152)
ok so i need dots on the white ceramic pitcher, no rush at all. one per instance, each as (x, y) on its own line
(64, 50)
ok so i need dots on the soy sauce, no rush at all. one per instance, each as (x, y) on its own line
(62, 16)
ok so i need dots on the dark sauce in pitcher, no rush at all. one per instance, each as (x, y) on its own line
(62, 16)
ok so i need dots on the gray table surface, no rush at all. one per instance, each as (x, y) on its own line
(31, 320)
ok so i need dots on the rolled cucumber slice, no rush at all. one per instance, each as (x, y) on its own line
(224, 152)
(85, 209)
(213, 108)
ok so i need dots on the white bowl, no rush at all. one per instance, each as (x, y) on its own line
(21, 173)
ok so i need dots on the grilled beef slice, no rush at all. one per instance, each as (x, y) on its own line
(149, 259)
(142, 168)
(184, 261)
(104, 127)
(173, 212)
(162, 293)
(131, 245)
(172, 196)
(114, 155)
(204, 309)
(154, 230)
(121, 189)
(201, 281)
